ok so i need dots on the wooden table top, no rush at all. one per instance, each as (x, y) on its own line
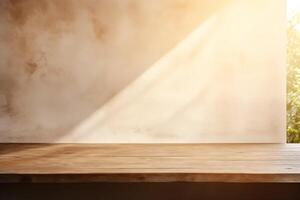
(149, 163)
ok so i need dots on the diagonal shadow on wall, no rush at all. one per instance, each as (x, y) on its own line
(46, 93)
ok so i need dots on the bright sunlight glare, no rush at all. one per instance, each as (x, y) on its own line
(293, 6)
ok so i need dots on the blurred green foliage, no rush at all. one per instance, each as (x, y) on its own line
(293, 80)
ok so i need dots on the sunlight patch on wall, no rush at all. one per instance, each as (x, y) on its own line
(224, 83)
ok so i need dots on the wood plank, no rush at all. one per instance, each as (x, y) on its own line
(150, 162)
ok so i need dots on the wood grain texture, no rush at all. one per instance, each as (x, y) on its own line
(150, 163)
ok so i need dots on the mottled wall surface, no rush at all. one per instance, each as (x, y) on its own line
(63, 60)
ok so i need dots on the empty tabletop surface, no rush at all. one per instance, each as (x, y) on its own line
(149, 163)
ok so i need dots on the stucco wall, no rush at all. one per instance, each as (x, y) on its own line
(67, 70)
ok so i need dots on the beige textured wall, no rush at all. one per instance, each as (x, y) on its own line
(62, 61)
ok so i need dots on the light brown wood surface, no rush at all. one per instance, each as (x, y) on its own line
(149, 163)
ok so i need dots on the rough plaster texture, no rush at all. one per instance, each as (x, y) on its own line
(111, 71)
